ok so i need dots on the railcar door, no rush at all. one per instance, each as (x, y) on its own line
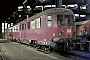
(22, 32)
(11, 35)
(25, 31)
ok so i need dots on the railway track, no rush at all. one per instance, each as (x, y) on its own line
(54, 53)
(29, 52)
(1, 54)
(3, 40)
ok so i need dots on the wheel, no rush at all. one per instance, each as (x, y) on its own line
(47, 49)
(38, 48)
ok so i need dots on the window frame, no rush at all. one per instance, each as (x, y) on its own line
(22, 26)
(49, 21)
(25, 26)
(61, 23)
(67, 22)
(38, 23)
(28, 25)
(73, 20)
(32, 24)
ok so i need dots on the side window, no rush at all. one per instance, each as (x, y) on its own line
(38, 23)
(22, 26)
(67, 20)
(60, 20)
(19, 27)
(73, 20)
(32, 24)
(77, 26)
(49, 21)
(25, 26)
(28, 25)
(16, 28)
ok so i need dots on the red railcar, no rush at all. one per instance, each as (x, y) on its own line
(83, 28)
(50, 28)
(16, 32)
(82, 40)
(8, 34)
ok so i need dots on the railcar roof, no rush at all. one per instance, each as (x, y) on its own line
(50, 11)
(82, 22)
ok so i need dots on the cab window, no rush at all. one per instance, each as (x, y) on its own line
(60, 20)
(67, 20)
(73, 20)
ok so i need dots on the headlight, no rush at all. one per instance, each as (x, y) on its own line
(86, 33)
(68, 30)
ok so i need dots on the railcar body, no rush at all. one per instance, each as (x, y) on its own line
(83, 35)
(83, 28)
(82, 41)
(8, 34)
(15, 32)
(50, 28)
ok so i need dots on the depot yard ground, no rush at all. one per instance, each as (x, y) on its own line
(17, 51)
